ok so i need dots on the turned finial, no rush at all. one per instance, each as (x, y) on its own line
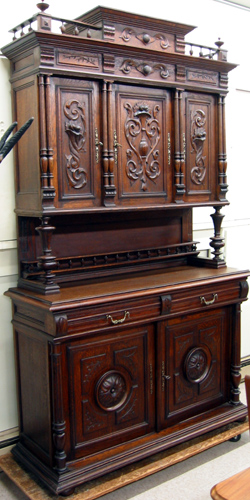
(219, 43)
(42, 6)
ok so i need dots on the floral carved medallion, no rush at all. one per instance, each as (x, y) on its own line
(111, 390)
(197, 364)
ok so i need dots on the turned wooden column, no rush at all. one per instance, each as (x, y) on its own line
(179, 155)
(58, 424)
(47, 261)
(235, 361)
(222, 156)
(46, 150)
(217, 242)
(108, 146)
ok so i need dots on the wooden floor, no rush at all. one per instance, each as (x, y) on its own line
(99, 487)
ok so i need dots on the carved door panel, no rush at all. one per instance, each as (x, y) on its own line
(200, 147)
(111, 389)
(194, 366)
(76, 132)
(142, 130)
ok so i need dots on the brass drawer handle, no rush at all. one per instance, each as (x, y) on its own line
(209, 302)
(118, 321)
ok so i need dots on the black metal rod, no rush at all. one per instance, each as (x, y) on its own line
(13, 140)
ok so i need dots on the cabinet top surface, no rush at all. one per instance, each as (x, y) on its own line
(140, 284)
(102, 14)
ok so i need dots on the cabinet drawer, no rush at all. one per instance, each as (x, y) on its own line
(114, 314)
(204, 297)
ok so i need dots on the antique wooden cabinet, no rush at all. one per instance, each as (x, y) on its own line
(127, 341)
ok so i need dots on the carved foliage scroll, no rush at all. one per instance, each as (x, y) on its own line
(200, 144)
(145, 38)
(144, 68)
(75, 128)
(198, 137)
(78, 175)
(143, 134)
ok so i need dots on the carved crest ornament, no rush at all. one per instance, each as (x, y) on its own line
(143, 133)
(144, 68)
(145, 38)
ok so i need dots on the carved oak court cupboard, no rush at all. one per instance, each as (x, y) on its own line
(127, 341)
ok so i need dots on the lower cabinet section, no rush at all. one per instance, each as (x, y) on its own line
(93, 400)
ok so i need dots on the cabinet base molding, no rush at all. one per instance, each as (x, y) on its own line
(127, 475)
(81, 471)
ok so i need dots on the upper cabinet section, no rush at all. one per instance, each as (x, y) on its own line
(126, 114)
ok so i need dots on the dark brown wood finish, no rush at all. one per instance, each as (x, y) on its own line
(127, 342)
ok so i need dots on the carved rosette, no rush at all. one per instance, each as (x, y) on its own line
(198, 137)
(197, 364)
(76, 130)
(142, 131)
(111, 390)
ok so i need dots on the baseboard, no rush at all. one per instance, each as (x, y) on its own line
(8, 439)
(245, 367)
(245, 361)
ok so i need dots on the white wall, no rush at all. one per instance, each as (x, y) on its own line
(214, 19)
(8, 262)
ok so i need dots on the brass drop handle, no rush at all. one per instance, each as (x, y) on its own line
(163, 376)
(116, 145)
(209, 302)
(118, 321)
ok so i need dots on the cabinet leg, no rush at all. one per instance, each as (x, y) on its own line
(67, 492)
(235, 439)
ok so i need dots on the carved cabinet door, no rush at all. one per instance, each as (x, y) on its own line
(200, 146)
(75, 131)
(111, 389)
(193, 367)
(142, 130)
